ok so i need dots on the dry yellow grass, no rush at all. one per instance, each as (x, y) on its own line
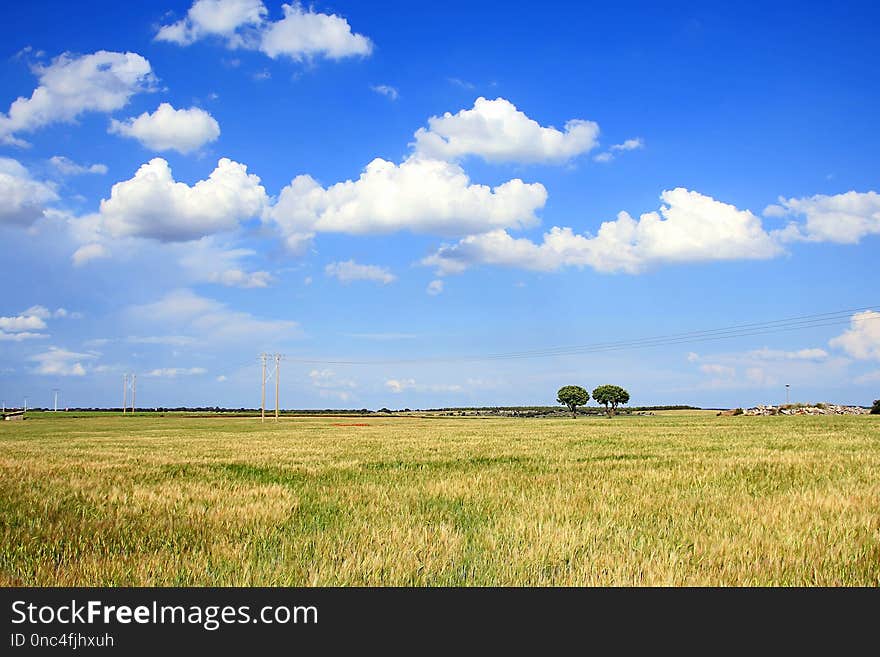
(684, 498)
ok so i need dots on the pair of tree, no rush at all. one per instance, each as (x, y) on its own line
(609, 395)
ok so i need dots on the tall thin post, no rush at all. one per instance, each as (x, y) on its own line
(134, 389)
(124, 392)
(263, 398)
(277, 383)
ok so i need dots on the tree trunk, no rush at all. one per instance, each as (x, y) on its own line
(573, 412)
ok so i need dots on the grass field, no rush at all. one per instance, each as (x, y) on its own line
(678, 498)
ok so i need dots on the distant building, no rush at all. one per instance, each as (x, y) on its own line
(13, 415)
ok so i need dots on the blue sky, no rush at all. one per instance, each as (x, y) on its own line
(185, 185)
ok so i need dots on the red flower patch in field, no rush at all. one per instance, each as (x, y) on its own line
(361, 424)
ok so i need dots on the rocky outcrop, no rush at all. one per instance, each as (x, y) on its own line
(797, 409)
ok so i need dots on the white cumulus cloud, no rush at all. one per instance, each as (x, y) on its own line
(497, 131)
(23, 322)
(152, 204)
(182, 130)
(22, 199)
(842, 218)
(420, 195)
(71, 85)
(349, 271)
(218, 18)
(301, 34)
(689, 227)
(306, 34)
(862, 339)
(28, 324)
(434, 288)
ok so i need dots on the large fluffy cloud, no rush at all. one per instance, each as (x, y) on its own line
(71, 85)
(219, 18)
(152, 204)
(862, 339)
(182, 130)
(498, 132)
(304, 34)
(22, 199)
(421, 195)
(690, 227)
(300, 34)
(21, 323)
(843, 218)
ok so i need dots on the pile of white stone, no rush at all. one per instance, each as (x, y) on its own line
(819, 409)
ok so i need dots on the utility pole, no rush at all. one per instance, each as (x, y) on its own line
(277, 383)
(124, 392)
(134, 389)
(263, 398)
(787, 396)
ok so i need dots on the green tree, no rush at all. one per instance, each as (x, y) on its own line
(610, 396)
(875, 410)
(572, 396)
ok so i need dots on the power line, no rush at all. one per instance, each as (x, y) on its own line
(801, 322)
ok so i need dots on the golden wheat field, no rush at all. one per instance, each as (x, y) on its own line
(673, 499)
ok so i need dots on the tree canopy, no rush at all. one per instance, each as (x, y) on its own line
(572, 396)
(611, 396)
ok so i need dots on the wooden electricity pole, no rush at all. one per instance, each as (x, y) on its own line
(263, 401)
(134, 388)
(277, 383)
(124, 392)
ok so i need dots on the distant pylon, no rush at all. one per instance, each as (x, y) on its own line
(277, 383)
(124, 392)
(263, 394)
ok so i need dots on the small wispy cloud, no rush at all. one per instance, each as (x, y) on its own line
(464, 84)
(629, 145)
(386, 90)
(174, 372)
(381, 336)
(349, 271)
